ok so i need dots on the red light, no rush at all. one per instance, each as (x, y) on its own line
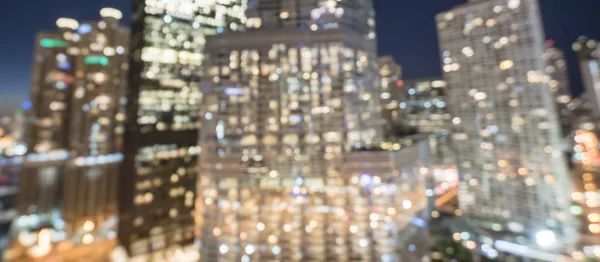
(400, 83)
(549, 42)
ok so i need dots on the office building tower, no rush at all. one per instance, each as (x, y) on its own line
(289, 107)
(293, 96)
(588, 52)
(156, 196)
(556, 69)
(506, 130)
(68, 183)
(390, 83)
(424, 108)
(424, 105)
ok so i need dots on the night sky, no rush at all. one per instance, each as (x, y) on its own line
(406, 30)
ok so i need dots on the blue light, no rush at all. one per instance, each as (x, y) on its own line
(412, 248)
(366, 180)
(419, 222)
(26, 105)
(64, 65)
(84, 29)
(60, 85)
(168, 19)
(234, 91)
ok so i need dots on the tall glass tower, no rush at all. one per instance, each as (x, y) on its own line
(514, 178)
(289, 105)
(68, 182)
(157, 185)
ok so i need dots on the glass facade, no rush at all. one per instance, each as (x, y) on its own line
(374, 209)
(391, 94)
(158, 181)
(556, 69)
(425, 105)
(77, 108)
(506, 130)
(288, 107)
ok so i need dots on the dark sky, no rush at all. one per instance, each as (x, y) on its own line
(406, 30)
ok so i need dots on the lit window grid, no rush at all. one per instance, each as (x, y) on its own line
(559, 85)
(389, 75)
(344, 217)
(166, 73)
(527, 135)
(321, 15)
(425, 105)
(70, 117)
(299, 110)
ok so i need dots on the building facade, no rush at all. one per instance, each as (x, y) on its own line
(68, 182)
(375, 209)
(588, 52)
(556, 69)
(294, 96)
(287, 104)
(390, 83)
(156, 197)
(506, 130)
(424, 105)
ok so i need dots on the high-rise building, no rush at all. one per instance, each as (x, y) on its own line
(390, 83)
(588, 51)
(424, 105)
(296, 96)
(424, 108)
(289, 107)
(157, 188)
(506, 130)
(68, 183)
(556, 69)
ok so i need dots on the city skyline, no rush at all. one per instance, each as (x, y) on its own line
(417, 53)
(253, 130)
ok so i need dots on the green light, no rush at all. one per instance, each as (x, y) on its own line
(92, 60)
(50, 43)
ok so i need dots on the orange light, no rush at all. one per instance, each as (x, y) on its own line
(594, 228)
(594, 218)
(522, 171)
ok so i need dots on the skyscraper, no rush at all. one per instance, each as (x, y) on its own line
(556, 69)
(294, 95)
(514, 179)
(68, 183)
(588, 51)
(158, 182)
(424, 105)
(290, 105)
(390, 83)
